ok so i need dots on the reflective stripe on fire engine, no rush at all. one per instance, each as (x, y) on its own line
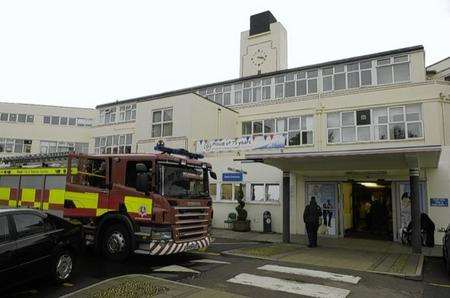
(139, 205)
(35, 171)
(56, 196)
(101, 211)
(28, 195)
(5, 193)
(87, 200)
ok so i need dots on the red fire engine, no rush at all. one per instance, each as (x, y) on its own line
(155, 204)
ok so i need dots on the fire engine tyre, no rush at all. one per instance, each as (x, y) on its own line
(63, 266)
(116, 243)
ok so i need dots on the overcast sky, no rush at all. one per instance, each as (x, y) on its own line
(84, 53)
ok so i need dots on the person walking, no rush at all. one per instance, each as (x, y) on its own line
(311, 217)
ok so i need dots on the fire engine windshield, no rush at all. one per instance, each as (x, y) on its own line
(181, 181)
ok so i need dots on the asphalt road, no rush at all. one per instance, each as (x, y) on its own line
(212, 270)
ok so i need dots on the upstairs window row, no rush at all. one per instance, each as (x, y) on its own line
(297, 130)
(16, 118)
(61, 120)
(386, 123)
(366, 73)
(123, 113)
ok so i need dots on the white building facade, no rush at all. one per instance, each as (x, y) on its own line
(347, 132)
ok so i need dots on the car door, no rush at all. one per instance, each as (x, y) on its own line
(34, 245)
(8, 264)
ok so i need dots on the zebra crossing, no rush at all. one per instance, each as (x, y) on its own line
(291, 286)
(290, 280)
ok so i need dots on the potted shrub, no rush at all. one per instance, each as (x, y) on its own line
(242, 224)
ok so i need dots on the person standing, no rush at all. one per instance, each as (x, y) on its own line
(311, 217)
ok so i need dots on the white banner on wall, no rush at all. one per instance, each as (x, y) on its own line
(243, 143)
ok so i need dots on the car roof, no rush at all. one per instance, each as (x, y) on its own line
(19, 210)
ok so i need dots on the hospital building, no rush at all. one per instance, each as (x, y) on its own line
(349, 132)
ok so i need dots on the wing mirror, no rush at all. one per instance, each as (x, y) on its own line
(213, 175)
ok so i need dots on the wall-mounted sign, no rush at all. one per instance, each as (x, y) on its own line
(232, 177)
(439, 202)
(243, 143)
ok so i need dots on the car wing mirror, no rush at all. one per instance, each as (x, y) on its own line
(213, 175)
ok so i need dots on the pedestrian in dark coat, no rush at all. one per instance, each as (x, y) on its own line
(311, 217)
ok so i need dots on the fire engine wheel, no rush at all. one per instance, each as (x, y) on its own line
(116, 243)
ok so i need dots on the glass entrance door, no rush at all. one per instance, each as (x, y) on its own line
(326, 194)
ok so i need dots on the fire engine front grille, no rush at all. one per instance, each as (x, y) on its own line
(191, 223)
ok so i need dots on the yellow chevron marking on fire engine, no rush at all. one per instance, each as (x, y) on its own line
(45, 206)
(101, 211)
(37, 205)
(83, 199)
(135, 204)
(12, 203)
(28, 195)
(36, 171)
(5, 193)
(56, 196)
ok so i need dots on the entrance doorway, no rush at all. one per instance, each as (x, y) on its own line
(368, 210)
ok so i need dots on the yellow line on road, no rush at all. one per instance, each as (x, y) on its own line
(439, 285)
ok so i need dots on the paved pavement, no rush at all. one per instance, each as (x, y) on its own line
(246, 276)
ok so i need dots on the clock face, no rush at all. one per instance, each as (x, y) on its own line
(259, 57)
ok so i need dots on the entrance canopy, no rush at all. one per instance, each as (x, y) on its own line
(364, 159)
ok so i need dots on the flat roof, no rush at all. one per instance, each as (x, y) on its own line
(318, 65)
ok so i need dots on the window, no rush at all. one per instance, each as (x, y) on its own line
(312, 81)
(297, 130)
(279, 86)
(72, 121)
(213, 190)
(30, 118)
(21, 118)
(289, 85)
(15, 145)
(266, 89)
(261, 192)
(393, 123)
(93, 172)
(162, 123)
(130, 177)
(247, 92)
(4, 117)
(226, 191)
(28, 224)
(301, 83)
(258, 192)
(12, 117)
(246, 128)
(63, 121)
(127, 112)
(393, 70)
(113, 144)
(4, 229)
(256, 90)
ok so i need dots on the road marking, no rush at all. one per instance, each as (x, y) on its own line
(439, 285)
(232, 243)
(176, 268)
(288, 286)
(208, 261)
(313, 273)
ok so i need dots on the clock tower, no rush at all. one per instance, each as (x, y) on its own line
(264, 46)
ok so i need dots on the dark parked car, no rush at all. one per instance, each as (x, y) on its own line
(446, 248)
(34, 244)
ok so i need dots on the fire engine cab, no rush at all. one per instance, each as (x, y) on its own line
(155, 203)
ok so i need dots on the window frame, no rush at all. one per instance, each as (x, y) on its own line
(374, 124)
(162, 122)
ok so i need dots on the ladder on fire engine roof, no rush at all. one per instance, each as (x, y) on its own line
(34, 158)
